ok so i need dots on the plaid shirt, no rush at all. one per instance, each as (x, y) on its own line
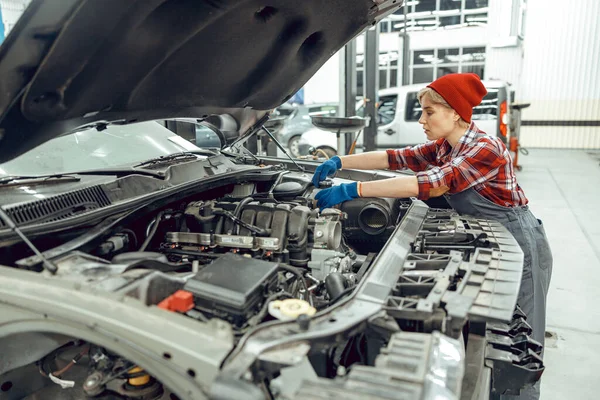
(478, 161)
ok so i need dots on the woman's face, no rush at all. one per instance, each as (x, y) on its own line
(438, 121)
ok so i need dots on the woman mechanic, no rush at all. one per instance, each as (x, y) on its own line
(475, 173)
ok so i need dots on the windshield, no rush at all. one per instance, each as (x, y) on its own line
(92, 149)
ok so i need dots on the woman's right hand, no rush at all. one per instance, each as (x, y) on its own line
(328, 168)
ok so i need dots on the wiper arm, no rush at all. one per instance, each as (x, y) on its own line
(72, 176)
(16, 180)
(185, 155)
(122, 172)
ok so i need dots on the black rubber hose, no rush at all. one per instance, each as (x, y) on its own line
(219, 227)
(265, 308)
(344, 293)
(152, 231)
(335, 284)
(252, 228)
(298, 273)
(238, 211)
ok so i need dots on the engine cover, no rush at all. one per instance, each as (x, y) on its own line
(233, 286)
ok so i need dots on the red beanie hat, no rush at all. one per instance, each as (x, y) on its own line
(461, 91)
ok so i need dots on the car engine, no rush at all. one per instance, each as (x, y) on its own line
(251, 238)
(368, 299)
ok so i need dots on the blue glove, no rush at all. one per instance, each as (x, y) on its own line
(337, 194)
(328, 168)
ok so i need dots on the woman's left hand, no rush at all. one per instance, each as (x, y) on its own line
(337, 194)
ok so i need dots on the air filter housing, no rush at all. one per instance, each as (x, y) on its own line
(370, 222)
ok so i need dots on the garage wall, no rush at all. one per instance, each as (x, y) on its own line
(504, 50)
(561, 74)
(11, 11)
(324, 86)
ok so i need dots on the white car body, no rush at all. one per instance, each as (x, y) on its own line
(399, 111)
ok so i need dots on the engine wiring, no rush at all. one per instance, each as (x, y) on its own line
(265, 308)
(58, 373)
(296, 271)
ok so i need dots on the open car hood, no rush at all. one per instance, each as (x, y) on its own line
(72, 63)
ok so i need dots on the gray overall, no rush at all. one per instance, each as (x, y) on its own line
(537, 266)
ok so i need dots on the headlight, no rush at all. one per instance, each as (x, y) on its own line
(419, 365)
(445, 370)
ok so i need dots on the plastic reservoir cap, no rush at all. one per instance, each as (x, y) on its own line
(180, 301)
(290, 309)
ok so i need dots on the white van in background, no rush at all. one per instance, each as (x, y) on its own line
(398, 119)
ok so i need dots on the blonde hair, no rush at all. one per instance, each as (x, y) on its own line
(436, 98)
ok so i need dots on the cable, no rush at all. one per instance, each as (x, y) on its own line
(343, 294)
(152, 231)
(321, 151)
(265, 308)
(250, 227)
(55, 353)
(298, 274)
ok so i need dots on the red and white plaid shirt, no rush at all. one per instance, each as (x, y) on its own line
(478, 161)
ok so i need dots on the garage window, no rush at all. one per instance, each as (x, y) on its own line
(413, 108)
(428, 65)
(386, 110)
(425, 15)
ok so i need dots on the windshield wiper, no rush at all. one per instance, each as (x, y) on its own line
(71, 176)
(16, 180)
(183, 156)
(136, 169)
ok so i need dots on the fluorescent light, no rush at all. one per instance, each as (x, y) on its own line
(477, 10)
(445, 13)
(477, 19)
(403, 24)
(457, 26)
(427, 22)
(394, 17)
(419, 14)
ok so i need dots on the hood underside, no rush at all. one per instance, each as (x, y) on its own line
(71, 63)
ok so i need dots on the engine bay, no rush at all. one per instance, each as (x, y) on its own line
(265, 263)
(248, 248)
